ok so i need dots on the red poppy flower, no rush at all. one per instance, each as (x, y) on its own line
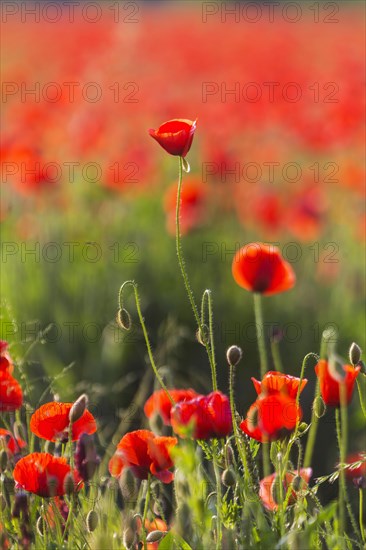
(6, 363)
(51, 421)
(11, 395)
(210, 415)
(193, 205)
(275, 382)
(175, 136)
(360, 471)
(259, 267)
(271, 417)
(159, 403)
(43, 474)
(330, 382)
(13, 444)
(144, 453)
(267, 490)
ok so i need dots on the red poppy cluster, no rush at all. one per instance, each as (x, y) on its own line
(11, 395)
(275, 412)
(144, 453)
(159, 403)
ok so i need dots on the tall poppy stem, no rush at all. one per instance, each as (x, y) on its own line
(360, 514)
(263, 361)
(146, 507)
(312, 431)
(218, 499)
(258, 313)
(208, 346)
(342, 481)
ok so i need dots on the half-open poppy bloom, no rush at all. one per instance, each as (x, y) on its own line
(277, 382)
(259, 267)
(43, 474)
(268, 490)
(175, 136)
(51, 421)
(159, 403)
(13, 444)
(192, 208)
(209, 415)
(271, 417)
(11, 395)
(6, 362)
(330, 382)
(144, 453)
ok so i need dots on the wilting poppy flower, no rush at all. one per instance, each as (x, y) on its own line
(6, 363)
(12, 443)
(209, 414)
(42, 474)
(11, 395)
(259, 267)
(330, 382)
(159, 403)
(271, 417)
(144, 453)
(51, 421)
(275, 382)
(192, 208)
(175, 136)
(268, 487)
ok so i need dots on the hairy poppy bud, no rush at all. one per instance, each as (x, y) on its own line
(40, 526)
(303, 426)
(123, 319)
(129, 538)
(92, 521)
(297, 483)
(3, 461)
(234, 355)
(78, 408)
(229, 455)
(203, 336)
(228, 477)
(355, 353)
(52, 483)
(319, 407)
(128, 485)
(69, 484)
(155, 536)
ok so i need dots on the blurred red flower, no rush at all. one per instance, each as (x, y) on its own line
(360, 471)
(271, 417)
(144, 453)
(43, 474)
(175, 136)
(267, 490)
(209, 414)
(11, 395)
(330, 382)
(159, 403)
(193, 205)
(274, 382)
(259, 267)
(6, 363)
(14, 444)
(51, 421)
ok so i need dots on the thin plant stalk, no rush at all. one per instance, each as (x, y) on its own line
(187, 284)
(312, 432)
(360, 514)
(218, 500)
(146, 507)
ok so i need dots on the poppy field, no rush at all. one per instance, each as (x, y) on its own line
(183, 276)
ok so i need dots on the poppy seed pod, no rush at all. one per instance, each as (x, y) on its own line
(234, 355)
(355, 353)
(228, 477)
(78, 408)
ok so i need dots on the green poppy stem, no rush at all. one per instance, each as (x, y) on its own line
(258, 313)
(209, 346)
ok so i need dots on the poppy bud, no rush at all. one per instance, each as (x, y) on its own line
(78, 408)
(19, 431)
(229, 455)
(155, 536)
(40, 526)
(360, 482)
(52, 483)
(128, 485)
(156, 423)
(92, 521)
(124, 319)
(297, 483)
(303, 426)
(203, 336)
(142, 505)
(129, 538)
(69, 484)
(234, 355)
(355, 353)
(319, 407)
(3, 461)
(228, 477)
